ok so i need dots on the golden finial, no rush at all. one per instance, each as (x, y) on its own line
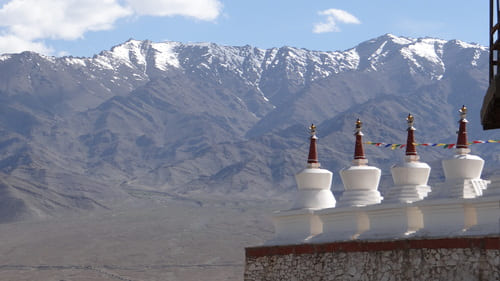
(312, 129)
(463, 112)
(358, 124)
(409, 119)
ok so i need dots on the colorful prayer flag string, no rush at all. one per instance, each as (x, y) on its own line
(394, 146)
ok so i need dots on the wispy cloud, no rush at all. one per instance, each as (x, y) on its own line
(25, 24)
(333, 17)
(198, 9)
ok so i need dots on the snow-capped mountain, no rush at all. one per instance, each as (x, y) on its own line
(169, 116)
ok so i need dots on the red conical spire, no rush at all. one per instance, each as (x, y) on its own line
(312, 159)
(462, 131)
(359, 152)
(411, 149)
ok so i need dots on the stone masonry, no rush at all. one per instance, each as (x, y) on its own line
(464, 259)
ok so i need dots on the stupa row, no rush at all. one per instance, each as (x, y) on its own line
(464, 204)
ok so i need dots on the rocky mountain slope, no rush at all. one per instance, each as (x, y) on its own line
(203, 120)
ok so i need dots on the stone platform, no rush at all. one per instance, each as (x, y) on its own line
(462, 258)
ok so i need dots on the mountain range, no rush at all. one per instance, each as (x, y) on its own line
(194, 121)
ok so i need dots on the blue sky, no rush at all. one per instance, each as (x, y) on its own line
(86, 27)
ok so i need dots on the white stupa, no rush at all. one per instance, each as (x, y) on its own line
(410, 178)
(463, 171)
(463, 205)
(451, 212)
(398, 217)
(314, 183)
(360, 180)
(348, 221)
(299, 224)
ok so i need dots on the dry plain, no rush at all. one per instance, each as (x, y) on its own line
(152, 237)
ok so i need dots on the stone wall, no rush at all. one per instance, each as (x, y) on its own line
(424, 259)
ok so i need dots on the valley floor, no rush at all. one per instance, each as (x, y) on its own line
(151, 238)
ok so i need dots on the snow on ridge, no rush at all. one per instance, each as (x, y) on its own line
(75, 61)
(352, 58)
(104, 62)
(166, 55)
(125, 52)
(5, 57)
(466, 45)
(230, 56)
(375, 57)
(313, 65)
(250, 62)
(325, 64)
(270, 56)
(425, 48)
(121, 52)
(336, 62)
(378, 52)
(400, 40)
(122, 55)
(198, 44)
(297, 57)
(424, 53)
(246, 61)
(475, 58)
(52, 59)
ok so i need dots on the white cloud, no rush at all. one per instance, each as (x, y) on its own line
(199, 9)
(25, 24)
(14, 44)
(59, 19)
(333, 17)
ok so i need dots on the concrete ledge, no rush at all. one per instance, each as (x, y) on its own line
(486, 243)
